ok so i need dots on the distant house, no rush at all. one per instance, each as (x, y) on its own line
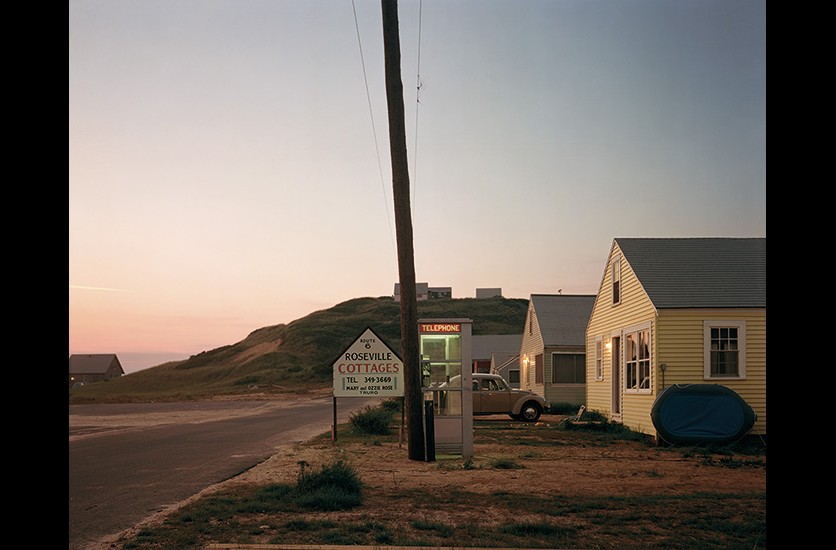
(677, 311)
(423, 291)
(507, 366)
(95, 367)
(485, 346)
(553, 349)
(488, 292)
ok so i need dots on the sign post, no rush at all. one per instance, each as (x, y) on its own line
(367, 368)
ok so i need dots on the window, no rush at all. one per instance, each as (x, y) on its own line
(568, 368)
(725, 349)
(514, 376)
(489, 385)
(637, 361)
(615, 269)
(538, 368)
(530, 322)
(599, 359)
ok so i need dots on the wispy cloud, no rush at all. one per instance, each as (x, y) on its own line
(79, 287)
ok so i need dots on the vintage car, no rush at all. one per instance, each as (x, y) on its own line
(493, 395)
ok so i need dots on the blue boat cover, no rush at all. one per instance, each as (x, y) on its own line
(701, 413)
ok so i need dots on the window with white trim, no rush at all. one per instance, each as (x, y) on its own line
(725, 349)
(599, 359)
(637, 361)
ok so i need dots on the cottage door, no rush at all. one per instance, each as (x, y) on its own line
(615, 368)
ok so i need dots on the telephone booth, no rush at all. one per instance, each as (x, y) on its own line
(446, 349)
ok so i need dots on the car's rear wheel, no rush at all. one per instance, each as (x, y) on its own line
(530, 412)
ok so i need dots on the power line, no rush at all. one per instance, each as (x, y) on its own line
(374, 132)
(418, 85)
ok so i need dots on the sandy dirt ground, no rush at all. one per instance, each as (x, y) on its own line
(566, 468)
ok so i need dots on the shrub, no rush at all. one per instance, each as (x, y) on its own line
(373, 421)
(333, 487)
(393, 404)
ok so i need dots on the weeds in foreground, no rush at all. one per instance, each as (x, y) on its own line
(440, 529)
(604, 427)
(301, 513)
(662, 521)
(506, 464)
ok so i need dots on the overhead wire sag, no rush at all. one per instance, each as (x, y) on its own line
(418, 85)
(374, 132)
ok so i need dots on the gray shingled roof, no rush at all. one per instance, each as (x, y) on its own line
(510, 361)
(92, 363)
(699, 272)
(563, 317)
(483, 345)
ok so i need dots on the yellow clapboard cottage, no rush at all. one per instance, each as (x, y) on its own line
(553, 350)
(677, 311)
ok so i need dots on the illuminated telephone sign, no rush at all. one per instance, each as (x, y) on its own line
(440, 327)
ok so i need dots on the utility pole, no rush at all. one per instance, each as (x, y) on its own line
(403, 226)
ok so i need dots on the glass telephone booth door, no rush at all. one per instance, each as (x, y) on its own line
(445, 348)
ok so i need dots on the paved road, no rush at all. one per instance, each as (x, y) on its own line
(128, 471)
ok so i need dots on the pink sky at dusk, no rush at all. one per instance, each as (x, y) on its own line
(226, 171)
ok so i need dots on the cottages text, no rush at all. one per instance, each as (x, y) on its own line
(368, 363)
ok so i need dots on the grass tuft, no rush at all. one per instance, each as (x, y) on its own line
(506, 464)
(334, 487)
(439, 529)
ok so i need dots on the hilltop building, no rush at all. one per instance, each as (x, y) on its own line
(488, 292)
(423, 291)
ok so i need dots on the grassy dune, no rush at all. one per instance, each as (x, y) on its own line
(296, 357)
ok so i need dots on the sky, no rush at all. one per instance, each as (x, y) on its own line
(229, 161)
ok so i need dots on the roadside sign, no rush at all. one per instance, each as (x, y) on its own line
(368, 368)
